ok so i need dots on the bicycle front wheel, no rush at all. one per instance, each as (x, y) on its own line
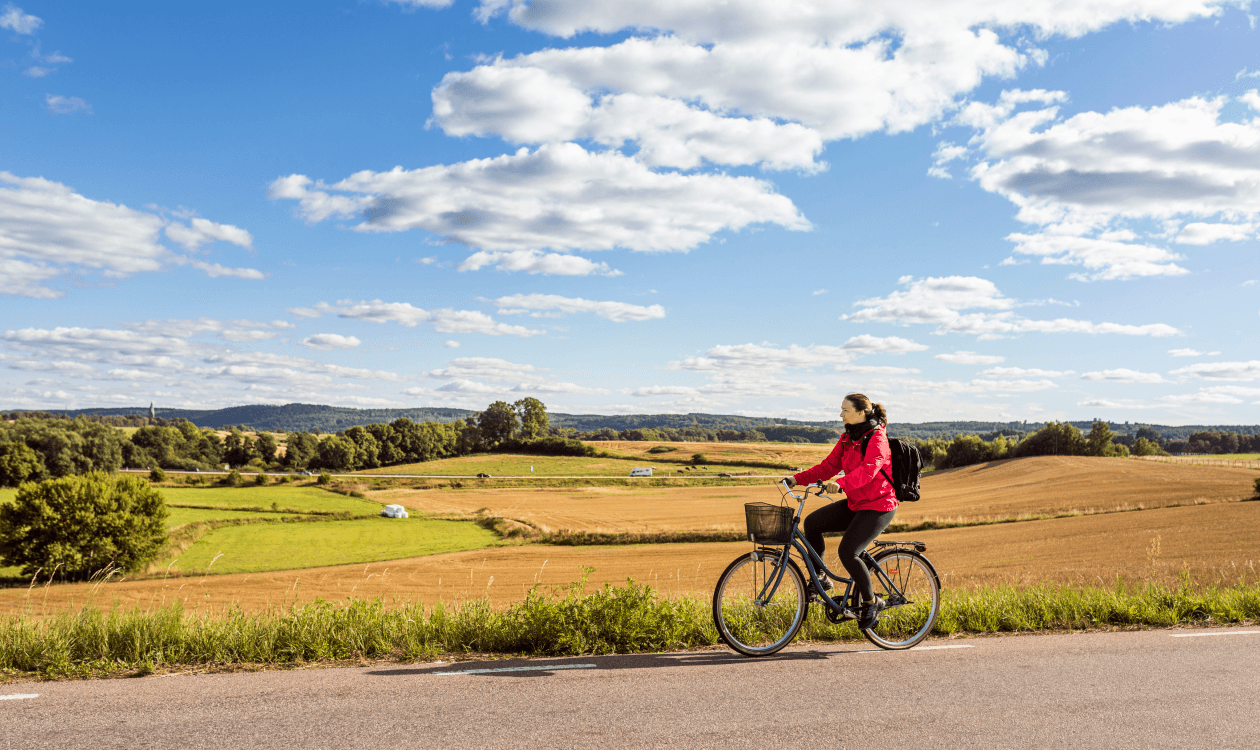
(752, 620)
(913, 601)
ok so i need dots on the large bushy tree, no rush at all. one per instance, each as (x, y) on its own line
(497, 423)
(19, 463)
(80, 525)
(532, 414)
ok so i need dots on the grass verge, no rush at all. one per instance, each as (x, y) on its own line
(555, 621)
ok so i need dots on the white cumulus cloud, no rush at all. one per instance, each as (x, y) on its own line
(559, 196)
(48, 230)
(12, 18)
(330, 341)
(615, 311)
(970, 358)
(1124, 375)
(1249, 370)
(445, 320)
(943, 301)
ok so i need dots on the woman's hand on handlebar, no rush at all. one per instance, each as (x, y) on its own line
(831, 488)
(789, 482)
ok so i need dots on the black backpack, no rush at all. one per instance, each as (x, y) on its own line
(907, 464)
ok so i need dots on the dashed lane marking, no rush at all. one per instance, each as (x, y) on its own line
(539, 668)
(18, 696)
(1227, 632)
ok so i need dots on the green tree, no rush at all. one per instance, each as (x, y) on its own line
(497, 423)
(300, 448)
(1099, 442)
(532, 414)
(79, 525)
(1055, 439)
(1144, 447)
(157, 475)
(336, 453)
(469, 439)
(367, 449)
(19, 463)
(236, 449)
(265, 447)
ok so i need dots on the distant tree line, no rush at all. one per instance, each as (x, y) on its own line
(1214, 442)
(38, 448)
(1055, 439)
(778, 434)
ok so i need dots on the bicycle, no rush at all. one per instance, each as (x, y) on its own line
(761, 599)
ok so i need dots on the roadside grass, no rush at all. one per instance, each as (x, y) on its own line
(254, 548)
(275, 497)
(554, 621)
(512, 464)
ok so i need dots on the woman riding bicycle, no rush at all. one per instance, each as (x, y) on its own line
(870, 502)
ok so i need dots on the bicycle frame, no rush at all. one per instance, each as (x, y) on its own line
(812, 558)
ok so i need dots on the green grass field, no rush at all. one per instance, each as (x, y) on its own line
(286, 546)
(301, 499)
(181, 516)
(509, 464)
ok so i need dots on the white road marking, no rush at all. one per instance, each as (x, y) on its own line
(540, 668)
(1227, 632)
(18, 697)
(912, 648)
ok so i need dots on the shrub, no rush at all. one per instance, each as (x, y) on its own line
(324, 478)
(698, 458)
(548, 446)
(1144, 447)
(662, 449)
(157, 475)
(260, 478)
(19, 463)
(233, 479)
(1257, 486)
(285, 479)
(76, 526)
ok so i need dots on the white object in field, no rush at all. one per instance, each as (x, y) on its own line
(531, 468)
(394, 511)
(640, 472)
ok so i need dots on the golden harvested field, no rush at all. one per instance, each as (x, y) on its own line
(1045, 485)
(598, 508)
(796, 454)
(1061, 484)
(1210, 542)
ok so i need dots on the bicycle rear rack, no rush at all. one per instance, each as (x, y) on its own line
(918, 546)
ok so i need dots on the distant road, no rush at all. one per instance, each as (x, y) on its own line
(1140, 690)
(464, 476)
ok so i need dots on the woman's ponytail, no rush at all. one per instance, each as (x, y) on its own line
(877, 411)
(870, 410)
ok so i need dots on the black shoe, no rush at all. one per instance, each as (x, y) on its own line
(824, 583)
(870, 614)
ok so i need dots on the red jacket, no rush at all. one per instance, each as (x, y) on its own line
(863, 482)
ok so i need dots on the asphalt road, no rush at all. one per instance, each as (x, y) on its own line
(1150, 689)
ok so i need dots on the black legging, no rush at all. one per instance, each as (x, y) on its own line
(860, 528)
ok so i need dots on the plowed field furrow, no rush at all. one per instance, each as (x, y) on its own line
(1209, 542)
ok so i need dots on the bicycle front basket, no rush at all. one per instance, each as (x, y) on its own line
(768, 524)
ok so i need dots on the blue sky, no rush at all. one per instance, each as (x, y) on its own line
(966, 210)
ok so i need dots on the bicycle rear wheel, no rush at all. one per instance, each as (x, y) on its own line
(913, 601)
(749, 624)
